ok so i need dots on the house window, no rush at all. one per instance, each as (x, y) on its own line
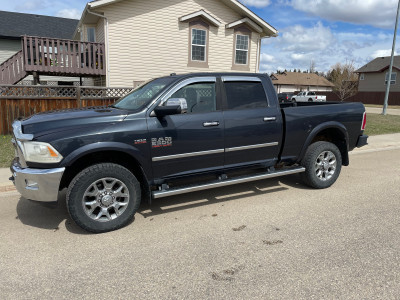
(199, 39)
(198, 47)
(242, 49)
(392, 79)
(91, 34)
(362, 75)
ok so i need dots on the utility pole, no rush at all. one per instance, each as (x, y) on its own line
(385, 102)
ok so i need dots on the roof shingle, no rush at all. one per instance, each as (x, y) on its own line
(300, 79)
(379, 64)
(14, 25)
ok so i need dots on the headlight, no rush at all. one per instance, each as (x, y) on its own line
(40, 152)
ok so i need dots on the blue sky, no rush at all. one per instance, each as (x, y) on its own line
(325, 31)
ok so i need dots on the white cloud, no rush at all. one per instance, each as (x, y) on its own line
(372, 12)
(297, 45)
(299, 38)
(266, 58)
(69, 13)
(256, 3)
(382, 52)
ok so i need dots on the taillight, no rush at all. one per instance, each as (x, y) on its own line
(364, 121)
(287, 97)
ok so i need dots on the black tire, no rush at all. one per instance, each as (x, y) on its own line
(309, 100)
(321, 174)
(115, 176)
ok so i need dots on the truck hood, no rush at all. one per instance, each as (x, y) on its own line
(53, 121)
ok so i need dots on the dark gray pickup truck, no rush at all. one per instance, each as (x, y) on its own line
(175, 135)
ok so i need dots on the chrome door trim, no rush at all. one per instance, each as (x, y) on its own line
(240, 78)
(251, 147)
(268, 119)
(210, 124)
(184, 155)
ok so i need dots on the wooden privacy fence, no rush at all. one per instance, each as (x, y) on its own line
(366, 97)
(24, 101)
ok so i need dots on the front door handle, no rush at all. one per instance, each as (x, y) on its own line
(209, 124)
(269, 119)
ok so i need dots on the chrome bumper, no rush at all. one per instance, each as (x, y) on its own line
(37, 184)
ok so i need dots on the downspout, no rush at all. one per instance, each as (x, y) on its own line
(258, 60)
(106, 42)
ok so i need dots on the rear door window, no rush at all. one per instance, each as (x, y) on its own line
(245, 95)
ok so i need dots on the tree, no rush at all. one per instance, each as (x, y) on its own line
(344, 79)
(312, 66)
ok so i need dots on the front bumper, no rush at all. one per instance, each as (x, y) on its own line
(362, 141)
(37, 184)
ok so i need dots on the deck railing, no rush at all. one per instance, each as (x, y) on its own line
(59, 56)
(12, 70)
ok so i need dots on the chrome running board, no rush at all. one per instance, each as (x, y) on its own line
(220, 183)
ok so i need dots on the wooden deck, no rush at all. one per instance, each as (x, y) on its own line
(57, 57)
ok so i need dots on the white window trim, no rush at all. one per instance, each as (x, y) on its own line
(87, 33)
(395, 77)
(247, 51)
(362, 76)
(191, 46)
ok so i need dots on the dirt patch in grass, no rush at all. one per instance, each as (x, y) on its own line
(380, 124)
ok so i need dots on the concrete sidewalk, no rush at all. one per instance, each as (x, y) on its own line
(378, 110)
(375, 143)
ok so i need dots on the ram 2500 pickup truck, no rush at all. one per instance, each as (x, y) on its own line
(175, 135)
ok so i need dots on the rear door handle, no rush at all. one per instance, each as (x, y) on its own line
(209, 124)
(269, 119)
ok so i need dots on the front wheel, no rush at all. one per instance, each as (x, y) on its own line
(310, 100)
(323, 163)
(103, 197)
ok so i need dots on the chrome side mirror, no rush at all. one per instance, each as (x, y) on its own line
(177, 101)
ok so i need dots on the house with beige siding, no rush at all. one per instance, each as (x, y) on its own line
(145, 39)
(373, 77)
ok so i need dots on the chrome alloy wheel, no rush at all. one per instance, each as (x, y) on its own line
(105, 199)
(325, 165)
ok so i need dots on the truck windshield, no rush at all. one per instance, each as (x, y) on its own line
(142, 96)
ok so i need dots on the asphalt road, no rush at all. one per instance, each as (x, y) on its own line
(272, 239)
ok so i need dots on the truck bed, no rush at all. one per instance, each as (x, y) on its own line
(303, 118)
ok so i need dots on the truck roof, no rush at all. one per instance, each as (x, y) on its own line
(188, 75)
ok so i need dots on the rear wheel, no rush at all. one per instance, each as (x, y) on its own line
(323, 163)
(103, 197)
(309, 100)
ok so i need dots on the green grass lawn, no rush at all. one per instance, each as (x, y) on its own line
(6, 151)
(379, 124)
(376, 124)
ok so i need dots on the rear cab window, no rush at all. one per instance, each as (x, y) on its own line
(247, 93)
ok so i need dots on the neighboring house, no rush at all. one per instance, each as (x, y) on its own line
(374, 75)
(289, 82)
(15, 25)
(145, 39)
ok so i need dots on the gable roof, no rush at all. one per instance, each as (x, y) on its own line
(267, 29)
(379, 64)
(203, 14)
(13, 25)
(300, 79)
